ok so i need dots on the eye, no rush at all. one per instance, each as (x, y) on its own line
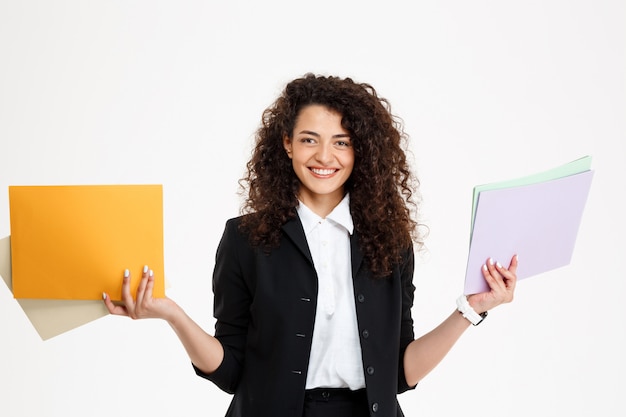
(343, 143)
(307, 140)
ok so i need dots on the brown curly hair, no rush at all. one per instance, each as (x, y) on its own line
(382, 188)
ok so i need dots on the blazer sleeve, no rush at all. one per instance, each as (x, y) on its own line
(232, 298)
(407, 334)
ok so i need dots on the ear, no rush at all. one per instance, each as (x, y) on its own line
(287, 145)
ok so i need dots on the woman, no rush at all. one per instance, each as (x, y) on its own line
(313, 284)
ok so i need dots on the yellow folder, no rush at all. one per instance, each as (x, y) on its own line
(73, 242)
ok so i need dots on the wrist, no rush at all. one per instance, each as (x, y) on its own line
(467, 311)
(173, 314)
(473, 304)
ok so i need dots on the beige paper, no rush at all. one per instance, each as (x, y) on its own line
(51, 317)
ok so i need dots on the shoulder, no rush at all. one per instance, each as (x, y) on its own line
(233, 234)
(243, 230)
(237, 223)
(233, 222)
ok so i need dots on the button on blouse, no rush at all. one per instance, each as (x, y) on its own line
(335, 359)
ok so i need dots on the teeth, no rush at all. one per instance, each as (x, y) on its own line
(323, 171)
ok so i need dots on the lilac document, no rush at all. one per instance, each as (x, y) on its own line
(539, 222)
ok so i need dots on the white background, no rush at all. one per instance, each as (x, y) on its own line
(107, 92)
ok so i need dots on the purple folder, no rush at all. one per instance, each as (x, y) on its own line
(538, 221)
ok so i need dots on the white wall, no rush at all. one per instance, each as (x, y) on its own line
(97, 92)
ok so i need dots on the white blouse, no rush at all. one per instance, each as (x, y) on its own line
(335, 360)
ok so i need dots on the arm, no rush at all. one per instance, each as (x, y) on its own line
(204, 350)
(424, 354)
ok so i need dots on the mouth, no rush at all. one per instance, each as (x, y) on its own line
(323, 172)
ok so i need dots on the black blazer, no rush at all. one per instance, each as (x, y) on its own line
(265, 309)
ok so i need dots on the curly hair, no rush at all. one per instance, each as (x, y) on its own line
(382, 188)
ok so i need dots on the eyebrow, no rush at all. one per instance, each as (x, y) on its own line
(310, 132)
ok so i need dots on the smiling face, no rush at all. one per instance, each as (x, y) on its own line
(322, 157)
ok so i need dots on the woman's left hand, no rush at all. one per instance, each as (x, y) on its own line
(501, 283)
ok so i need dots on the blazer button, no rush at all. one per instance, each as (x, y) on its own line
(370, 370)
(375, 407)
(365, 334)
(360, 298)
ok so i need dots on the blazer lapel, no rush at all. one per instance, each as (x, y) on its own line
(356, 254)
(294, 231)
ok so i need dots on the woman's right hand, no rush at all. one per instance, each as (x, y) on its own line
(205, 351)
(144, 305)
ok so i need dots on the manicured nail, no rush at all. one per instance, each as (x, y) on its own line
(145, 269)
(490, 261)
(498, 264)
(151, 272)
(484, 267)
(104, 296)
(126, 273)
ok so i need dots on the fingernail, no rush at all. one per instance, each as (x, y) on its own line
(484, 267)
(145, 269)
(126, 273)
(490, 261)
(151, 272)
(104, 296)
(498, 264)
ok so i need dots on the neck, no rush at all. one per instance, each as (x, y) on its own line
(322, 205)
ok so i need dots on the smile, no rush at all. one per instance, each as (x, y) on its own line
(323, 172)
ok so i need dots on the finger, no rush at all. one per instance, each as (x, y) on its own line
(150, 284)
(492, 283)
(141, 289)
(507, 273)
(113, 309)
(487, 274)
(508, 280)
(513, 264)
(510, 274)
(127, 298)
(491, 268)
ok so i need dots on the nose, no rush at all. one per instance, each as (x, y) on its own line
(325, 153)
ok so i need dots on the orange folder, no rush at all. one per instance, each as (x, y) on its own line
(73, 242)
